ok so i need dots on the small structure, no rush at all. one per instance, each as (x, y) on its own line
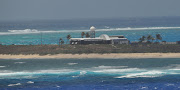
(92, 32)
(102, 39)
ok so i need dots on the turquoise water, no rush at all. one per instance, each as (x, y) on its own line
(25, 33)
(170, 35)
(84, 74)
(90, 74)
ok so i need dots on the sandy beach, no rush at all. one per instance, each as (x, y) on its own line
(81, 56)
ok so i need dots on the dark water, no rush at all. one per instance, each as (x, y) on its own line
(87, 74)
(29, 32)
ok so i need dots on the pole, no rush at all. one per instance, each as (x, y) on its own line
(41, 38)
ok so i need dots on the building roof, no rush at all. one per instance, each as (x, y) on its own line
(119, 36)
(105, 37)
(102, 37)
(86, 39)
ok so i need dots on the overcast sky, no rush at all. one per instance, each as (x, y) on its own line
(74, 9)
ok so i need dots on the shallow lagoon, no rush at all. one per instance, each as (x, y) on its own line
(25, 33)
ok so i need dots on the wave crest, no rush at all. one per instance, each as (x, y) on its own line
(143, 74)
(143, 28)
(31, 31)
(24, 31)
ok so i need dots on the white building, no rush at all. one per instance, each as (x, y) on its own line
(92, 32)
(102, 39)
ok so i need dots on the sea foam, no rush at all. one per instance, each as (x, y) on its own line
(143, 74)
(142, 28)
(25, 31)
(11, 73)
(118, 71)
(14, 84)
(72, 63)
(109, 67)
(32, 31)
(19, 62)
(30, 82)
(2, 66)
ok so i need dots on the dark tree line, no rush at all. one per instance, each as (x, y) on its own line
(150, 38)
(61, 41)
(87, 35)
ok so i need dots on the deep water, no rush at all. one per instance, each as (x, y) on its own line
(88, 74)
(29, 32)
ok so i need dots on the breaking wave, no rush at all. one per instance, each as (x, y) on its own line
(72, 63)
(2, 66)
(24, 31)
(143, 74)
(19, 62)
(143, 28)
(116, 71)
(8, 73)
(17, 84)
(33, 31)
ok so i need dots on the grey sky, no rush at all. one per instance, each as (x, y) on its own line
(74, 9)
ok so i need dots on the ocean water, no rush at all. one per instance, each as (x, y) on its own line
(88, 74)
(29, 32)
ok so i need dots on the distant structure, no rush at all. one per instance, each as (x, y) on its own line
(92, 32)
(102, 39)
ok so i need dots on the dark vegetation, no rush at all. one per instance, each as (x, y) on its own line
(150, 39)
(79, 49)
(146, 44)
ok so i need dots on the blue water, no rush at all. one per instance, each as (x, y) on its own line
(88, 74)
(29, 32)
(45, 74)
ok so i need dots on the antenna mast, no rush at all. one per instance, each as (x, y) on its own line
(41, 38)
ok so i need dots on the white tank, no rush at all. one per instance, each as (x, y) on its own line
(92, 32)
(92, 28)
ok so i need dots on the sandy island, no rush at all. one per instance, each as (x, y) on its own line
(81, 56)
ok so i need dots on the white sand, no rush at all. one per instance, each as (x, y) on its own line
(112, 55)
